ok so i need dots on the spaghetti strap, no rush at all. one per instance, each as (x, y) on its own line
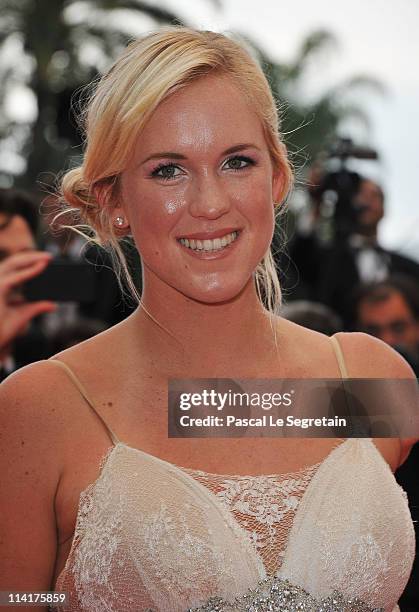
(358, 429)
(339, 357)
(82, 390)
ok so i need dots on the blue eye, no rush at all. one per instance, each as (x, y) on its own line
(166, 171)
(239, 162)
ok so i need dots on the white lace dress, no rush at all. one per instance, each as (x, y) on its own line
(335, 537)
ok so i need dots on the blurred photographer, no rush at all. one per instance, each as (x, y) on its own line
(20, 340)
(335, 247)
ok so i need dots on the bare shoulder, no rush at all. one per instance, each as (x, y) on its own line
(369, 357)
(31, 423)
(32, 410)
(364, 356)
(38, 403)
(30, 393)
(41, 397)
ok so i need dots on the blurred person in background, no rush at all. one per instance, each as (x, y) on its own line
(328, 269)
(312, 315)
(361, 259)
(389, 310)
(21, 339)
(372, 261)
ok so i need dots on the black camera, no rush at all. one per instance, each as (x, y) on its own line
(339, 213)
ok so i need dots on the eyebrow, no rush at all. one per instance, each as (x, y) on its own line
(173, 155)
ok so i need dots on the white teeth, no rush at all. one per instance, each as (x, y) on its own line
(209, 245)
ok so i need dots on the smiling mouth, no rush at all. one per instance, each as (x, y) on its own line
(216, 244)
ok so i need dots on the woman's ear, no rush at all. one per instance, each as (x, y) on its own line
(104, 192)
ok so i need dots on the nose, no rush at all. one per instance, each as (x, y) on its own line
(209, 198)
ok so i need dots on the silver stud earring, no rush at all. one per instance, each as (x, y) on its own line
(119, 221)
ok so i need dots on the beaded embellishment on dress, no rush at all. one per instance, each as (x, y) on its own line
(276, 594)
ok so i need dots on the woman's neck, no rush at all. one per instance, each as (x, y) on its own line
(181, 336)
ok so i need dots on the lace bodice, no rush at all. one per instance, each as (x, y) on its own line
(263, 505)
(153, 536)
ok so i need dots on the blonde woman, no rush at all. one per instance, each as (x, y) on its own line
(183, 153)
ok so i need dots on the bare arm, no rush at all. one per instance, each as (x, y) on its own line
(29, 474)
(369, 357)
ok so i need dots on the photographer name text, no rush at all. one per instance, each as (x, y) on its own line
(263, 421)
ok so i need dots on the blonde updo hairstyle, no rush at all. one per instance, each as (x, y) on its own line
(149, 71)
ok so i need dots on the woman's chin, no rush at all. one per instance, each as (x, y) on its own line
(215, 295)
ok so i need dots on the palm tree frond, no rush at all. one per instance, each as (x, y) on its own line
(364, 83)
(157, 13)
(313, 43)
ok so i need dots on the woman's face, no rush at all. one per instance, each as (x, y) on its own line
(199, 192)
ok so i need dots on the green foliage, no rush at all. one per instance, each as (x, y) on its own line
(65, 44)
(310, 127)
